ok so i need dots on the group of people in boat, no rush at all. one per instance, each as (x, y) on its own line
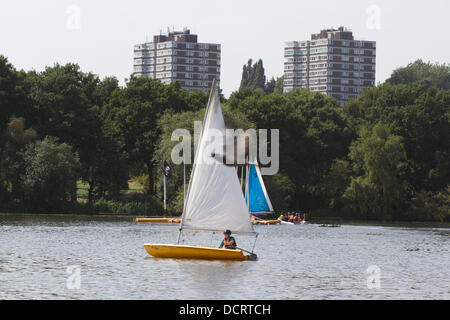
(294, 217)
(229, 242)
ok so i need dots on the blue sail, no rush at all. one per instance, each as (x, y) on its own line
(257, 199)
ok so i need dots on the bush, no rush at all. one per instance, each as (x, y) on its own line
(427, 206)
(51, 172)
(149, 206)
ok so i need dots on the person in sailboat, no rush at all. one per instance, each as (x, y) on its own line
(228, 242)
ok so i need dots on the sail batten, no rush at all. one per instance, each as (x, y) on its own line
(214, 201)
(217, 231)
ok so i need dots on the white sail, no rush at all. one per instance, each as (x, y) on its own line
(214, 199)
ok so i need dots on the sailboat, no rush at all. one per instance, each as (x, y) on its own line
(257, 199)
(214, 200)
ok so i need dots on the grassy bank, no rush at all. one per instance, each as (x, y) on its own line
(147, 207)
(132, 201)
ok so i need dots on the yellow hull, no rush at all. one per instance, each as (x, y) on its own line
(158, 220)
(266, 222)
(192, 252)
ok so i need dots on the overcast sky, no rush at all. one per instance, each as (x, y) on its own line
(35, 34)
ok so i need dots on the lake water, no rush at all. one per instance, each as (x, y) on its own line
(295, 262)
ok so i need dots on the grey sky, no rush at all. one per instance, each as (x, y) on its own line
(34, 34)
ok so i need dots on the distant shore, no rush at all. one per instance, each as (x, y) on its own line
(398, 224)
(106, 215)
(317, 220)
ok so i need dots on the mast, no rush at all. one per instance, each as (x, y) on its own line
(247, 195)
(184, 182)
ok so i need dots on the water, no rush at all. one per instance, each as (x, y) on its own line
(295, 262)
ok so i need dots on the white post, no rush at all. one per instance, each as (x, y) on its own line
(165, 206)
(164, 180)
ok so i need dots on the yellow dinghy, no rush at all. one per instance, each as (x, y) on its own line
(265, 222)
(158, 220)
(192, 252)
(214, 201)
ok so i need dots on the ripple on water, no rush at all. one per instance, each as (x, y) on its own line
(295, 262)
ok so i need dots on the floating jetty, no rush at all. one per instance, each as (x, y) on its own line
(329, 222)
(158, 220)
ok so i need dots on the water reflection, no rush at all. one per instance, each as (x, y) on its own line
(295, 262)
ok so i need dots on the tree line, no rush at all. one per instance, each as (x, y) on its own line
(383, 156)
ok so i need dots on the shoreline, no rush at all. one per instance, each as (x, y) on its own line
(397, 224)
(112, 215)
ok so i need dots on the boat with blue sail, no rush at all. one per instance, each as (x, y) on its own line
(256, 196)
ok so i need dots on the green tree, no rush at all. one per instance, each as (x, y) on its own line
(13, 141)
(281, 191)
(279, 85)
(313, 132)
(421, 116)
(336, 182)
(253, 76)
(12, 93)
(274, 86)
(378, 190)
(107, 170)
(132, 114)
(429, 74)
(50, 175)
(270, 86)
(426, 206)
(65, 105)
